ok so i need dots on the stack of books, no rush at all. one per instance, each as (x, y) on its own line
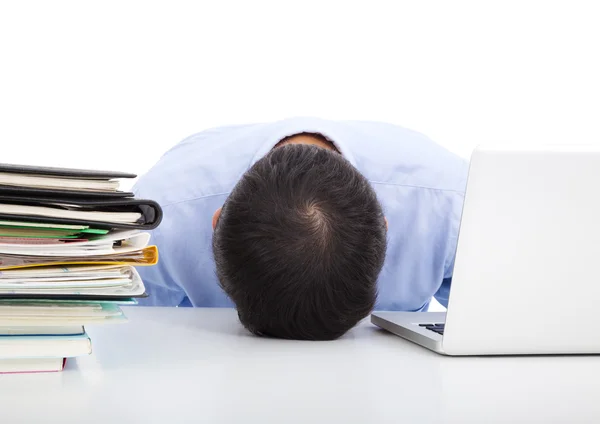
(69, 244)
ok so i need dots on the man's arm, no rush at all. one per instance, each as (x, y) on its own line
(160, 287)
(443, 293)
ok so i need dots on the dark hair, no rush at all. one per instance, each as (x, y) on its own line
(300, 243)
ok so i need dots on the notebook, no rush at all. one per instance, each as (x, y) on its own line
(103, 282)
(70, 214)
(58, 313)
(66, 346)
(69, 180)
(34, 365)
(43, 330)
(114, 243)
(147, 256)
(20, 230)
(107, 213)
(24, 180)
(31, 365)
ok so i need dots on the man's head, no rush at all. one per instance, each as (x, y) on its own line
(299, 244)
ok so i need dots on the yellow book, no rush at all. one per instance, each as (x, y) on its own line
(143, 257)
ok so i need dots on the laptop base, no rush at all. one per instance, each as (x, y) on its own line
(406, 325)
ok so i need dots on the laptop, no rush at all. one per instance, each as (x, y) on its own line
(526, 278)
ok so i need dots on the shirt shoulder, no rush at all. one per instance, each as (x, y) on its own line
(391, 154)
(204, 164)
(211, 162)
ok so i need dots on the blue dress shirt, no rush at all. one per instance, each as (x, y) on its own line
(420, 185)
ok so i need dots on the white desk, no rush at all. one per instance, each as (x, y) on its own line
(199, 365)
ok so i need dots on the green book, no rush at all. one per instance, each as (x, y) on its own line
(43, 230)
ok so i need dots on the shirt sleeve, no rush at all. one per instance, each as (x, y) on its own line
(443, 293)
(160, 287)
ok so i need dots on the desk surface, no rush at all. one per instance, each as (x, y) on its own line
(199, 365)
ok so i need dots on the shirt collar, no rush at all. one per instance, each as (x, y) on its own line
(277, 131)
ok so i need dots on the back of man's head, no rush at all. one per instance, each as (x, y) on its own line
(299, 245)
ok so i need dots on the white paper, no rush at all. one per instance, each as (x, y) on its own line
(131, 241)
(117, 217)
(125, 287)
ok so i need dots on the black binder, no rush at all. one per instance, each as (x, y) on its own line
(117, 201)
(71, 173)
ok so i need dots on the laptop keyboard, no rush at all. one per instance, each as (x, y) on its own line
(436, 328)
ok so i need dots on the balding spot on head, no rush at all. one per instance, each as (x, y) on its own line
(318, 221)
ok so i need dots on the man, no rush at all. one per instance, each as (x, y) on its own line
(305, 225)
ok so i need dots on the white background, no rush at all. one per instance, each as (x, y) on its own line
(113, 84)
